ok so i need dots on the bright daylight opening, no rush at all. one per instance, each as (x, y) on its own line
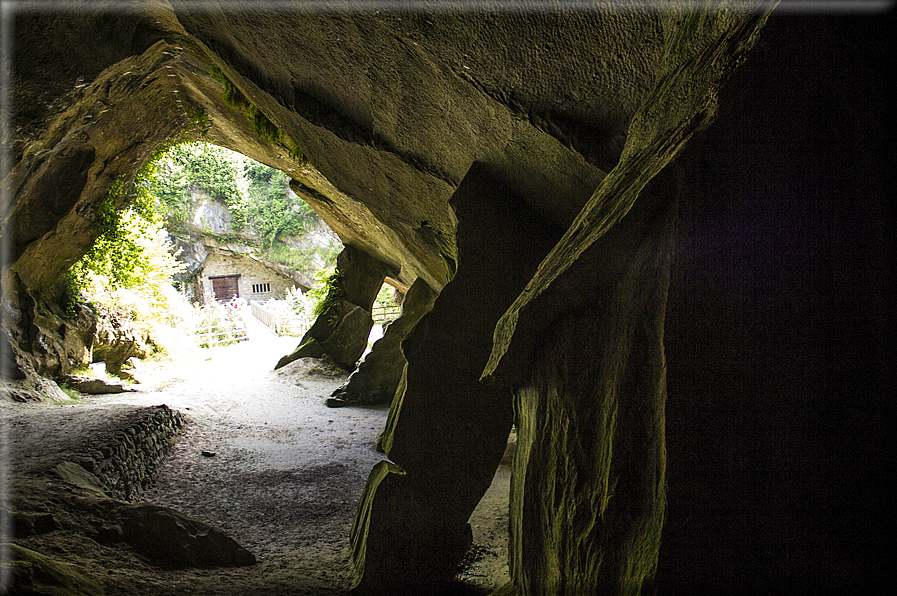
(211, 239)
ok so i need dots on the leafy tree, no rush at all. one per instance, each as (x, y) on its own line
(132, 254)
(172, 191)
(274, 211)
(203, 166)
(385, 297)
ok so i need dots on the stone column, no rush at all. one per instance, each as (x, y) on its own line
(448, 431)
(342, 330)
(378, 376)
(588, 485)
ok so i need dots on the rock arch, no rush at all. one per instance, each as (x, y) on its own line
(464, 150)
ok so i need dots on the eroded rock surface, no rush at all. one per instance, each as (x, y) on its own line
(341, 331)
(453, 148)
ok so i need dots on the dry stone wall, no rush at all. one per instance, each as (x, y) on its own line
(125, 458)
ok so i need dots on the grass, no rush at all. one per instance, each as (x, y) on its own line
(75, 396)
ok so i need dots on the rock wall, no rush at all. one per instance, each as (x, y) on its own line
(415, 129)
(589, 483)
(447, 432)
(125, 459)
(777, 335)
(93, 464)
(208, 245)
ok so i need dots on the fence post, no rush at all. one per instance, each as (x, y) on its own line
(209, 337)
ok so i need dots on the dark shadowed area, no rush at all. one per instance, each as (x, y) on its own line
(777, 325)
(645, 263)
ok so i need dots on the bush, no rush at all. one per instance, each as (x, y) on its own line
(300, 302)
(131, 264)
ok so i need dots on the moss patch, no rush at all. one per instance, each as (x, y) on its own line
(34, 573)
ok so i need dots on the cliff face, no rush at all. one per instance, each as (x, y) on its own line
(208, 230)
(508, 159)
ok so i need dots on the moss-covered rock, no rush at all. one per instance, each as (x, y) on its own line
(36, 574)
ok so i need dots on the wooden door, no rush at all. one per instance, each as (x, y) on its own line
(225, 287)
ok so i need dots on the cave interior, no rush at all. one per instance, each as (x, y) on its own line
(653, 240)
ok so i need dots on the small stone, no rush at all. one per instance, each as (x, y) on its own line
(208, 453)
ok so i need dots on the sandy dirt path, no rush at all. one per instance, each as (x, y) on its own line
(264, 460)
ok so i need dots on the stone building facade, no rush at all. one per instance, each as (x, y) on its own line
(224, 276)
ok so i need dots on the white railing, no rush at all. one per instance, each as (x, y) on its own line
(279, 317)
(384, 313)
(217, 325)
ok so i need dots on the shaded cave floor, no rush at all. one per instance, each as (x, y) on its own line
(284, 480)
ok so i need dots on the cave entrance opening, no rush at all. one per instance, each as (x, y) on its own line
(208, 230)
(232, 215)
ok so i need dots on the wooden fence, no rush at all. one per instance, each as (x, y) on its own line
(217, 327)
(280, 318)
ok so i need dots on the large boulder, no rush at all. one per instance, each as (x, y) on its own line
(93, 385)
(171, 539)
(117, 341)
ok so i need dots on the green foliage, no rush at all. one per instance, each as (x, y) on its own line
(385, 297)
(233, 96)
(327, 294)
(202, 166)
(319, 292)
(74, 395)
(155, 188)
(132, 254)
(200, 125)
(131, 250)
(172, 193)
(258, 197)
(255, 194)
(299, 302)
(264, 128)
(385, 309)
(303, 259)
(295, 258)
(296, 153)
(272, 210)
